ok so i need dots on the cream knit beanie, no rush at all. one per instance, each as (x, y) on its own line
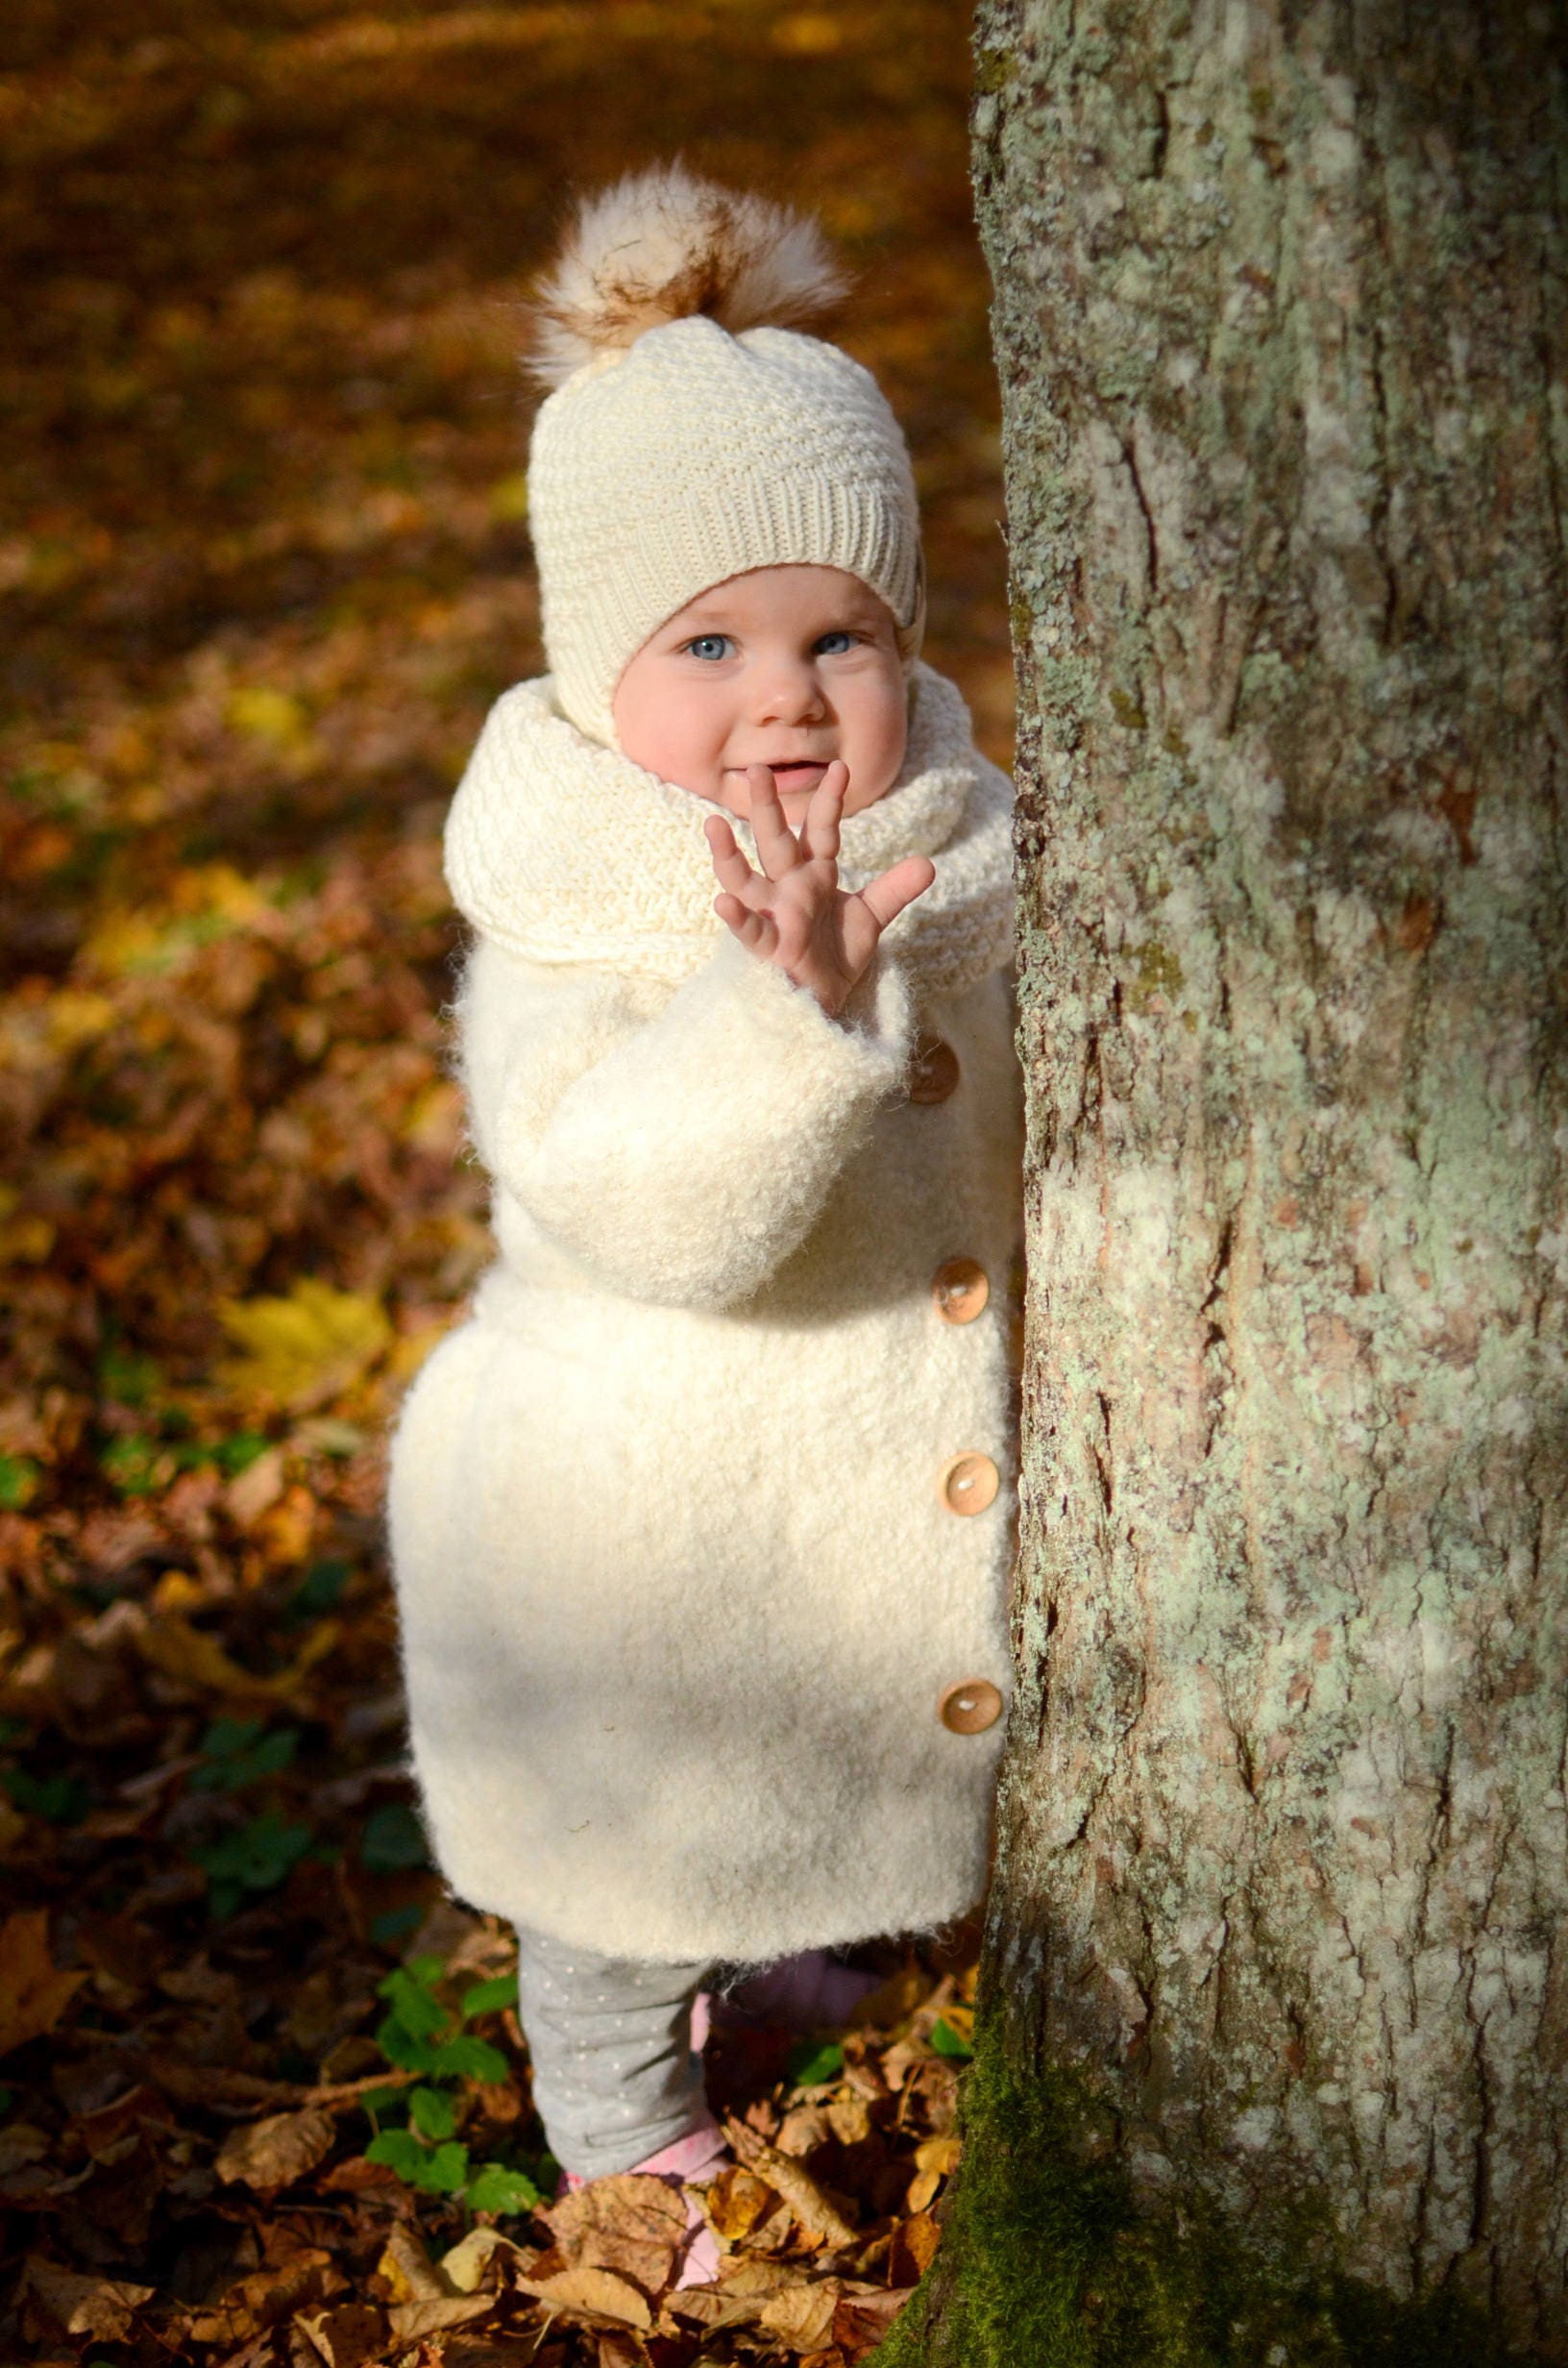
(690, 438)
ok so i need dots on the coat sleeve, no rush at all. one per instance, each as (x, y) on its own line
(680, 1157)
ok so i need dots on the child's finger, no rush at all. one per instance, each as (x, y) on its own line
(731, 867)
(777, 850)
(899, 885)
(753, 929)
(820, 828)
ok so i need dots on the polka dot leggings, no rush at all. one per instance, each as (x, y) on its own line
(610, 2039)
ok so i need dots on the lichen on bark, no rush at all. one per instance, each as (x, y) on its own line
(1284, 1837)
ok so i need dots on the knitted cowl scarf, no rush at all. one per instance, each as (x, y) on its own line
(565, 850)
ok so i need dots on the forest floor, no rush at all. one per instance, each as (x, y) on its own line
(264, 564)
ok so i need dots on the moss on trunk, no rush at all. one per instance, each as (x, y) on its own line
(1050, 2262)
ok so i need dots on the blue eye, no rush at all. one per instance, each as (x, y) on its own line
(840, 634)
(707, 645)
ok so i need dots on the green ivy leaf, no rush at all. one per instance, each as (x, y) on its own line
(467, 2059)
(811, 2064)
(413, 2003)
(946, 2041)
(398, 2150)
(401, 2048)
(489, 1997)
(445, 2172)
(433, 2114)
(496, 2188)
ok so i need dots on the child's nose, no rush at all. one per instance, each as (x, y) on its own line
(789, 693)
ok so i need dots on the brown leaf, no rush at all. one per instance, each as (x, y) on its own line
(33, 1995)
(629, 2223)
(277, 2152)
(348, 2337)
(586, 2291)
(307, 2279)
(746, 2286)
(859, 2321)
(619, 2349)
(58, 2299)
(801, 2316)
(410, 2321)
(914, 2249)
(821, 2219)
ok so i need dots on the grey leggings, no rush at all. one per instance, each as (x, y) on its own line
(610, 2042)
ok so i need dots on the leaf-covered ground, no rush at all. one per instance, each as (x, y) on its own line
(263, 563)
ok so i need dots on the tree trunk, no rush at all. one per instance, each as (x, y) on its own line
(1273, 2063)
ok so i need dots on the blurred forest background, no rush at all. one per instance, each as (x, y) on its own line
(263, 564)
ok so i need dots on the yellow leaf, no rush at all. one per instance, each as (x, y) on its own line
(33, 1995)
(407, 2269)
(260, 712)
(509, 497)
(939, 2155)
(305, 1348)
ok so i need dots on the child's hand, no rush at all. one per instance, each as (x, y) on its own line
(795, 912)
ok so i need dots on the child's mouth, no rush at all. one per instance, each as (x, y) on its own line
(798, 776)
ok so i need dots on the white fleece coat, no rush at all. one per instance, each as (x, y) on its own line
(678, 1588)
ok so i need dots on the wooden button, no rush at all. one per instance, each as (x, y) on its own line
(971, 1707)
(970, 1482)
(932, 1071)
(960, 1290)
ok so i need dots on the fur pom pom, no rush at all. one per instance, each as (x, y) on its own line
(661, 244)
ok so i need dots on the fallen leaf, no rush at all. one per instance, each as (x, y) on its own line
(267, 2296)
(861, 2320)
(259, 1487)
(821, 2219)
(276, 2152)
(411, 2321)
(347, 2336)
(628, 2223)
(914, 2249)
(82, 2306)
(33, 1994)
(410, 2274)
(803, 2314)
(934, 2161)
(735, 2202)
(303, 1348)
(586, 2290)
(746, 2286)
(619, 2349)
(464, 2267)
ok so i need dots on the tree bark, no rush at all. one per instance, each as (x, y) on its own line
(1274, 2045)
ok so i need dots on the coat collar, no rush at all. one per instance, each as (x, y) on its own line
(565, 850)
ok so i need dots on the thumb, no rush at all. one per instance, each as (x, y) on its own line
(888, 895)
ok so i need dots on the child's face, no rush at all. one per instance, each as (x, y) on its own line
(789, 667)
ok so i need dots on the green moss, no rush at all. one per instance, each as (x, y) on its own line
(1047, 2262)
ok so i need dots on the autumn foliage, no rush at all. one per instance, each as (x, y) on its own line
(263, 565)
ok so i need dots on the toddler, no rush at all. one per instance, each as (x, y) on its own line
(702, 1521)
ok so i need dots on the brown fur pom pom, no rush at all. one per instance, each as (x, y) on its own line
(661, 244)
